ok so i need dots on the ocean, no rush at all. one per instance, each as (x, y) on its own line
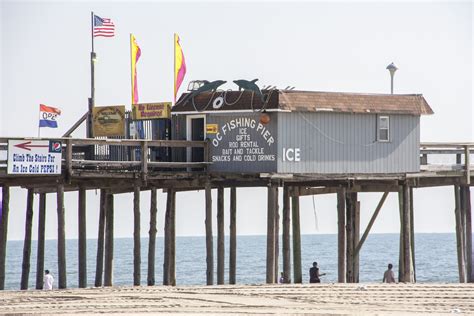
(435, 255)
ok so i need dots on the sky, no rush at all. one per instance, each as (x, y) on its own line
(320, 46)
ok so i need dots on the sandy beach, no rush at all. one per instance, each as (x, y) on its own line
(325, 299)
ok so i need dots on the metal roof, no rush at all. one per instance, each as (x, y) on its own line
(306, 101)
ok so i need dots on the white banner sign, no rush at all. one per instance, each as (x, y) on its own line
(34, 157)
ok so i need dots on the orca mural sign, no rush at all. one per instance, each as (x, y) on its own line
(243, 144)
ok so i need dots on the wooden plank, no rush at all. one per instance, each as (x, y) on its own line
(4, 233)
(412, 235)
(76, 125)
(350, 209)
(286, 235)
(459, 234)
(401, 261)
(371, 223)
(295, 221)
(233, 236)
(270, 268)
(68, 161)
(406, 231)
(62, 282)
(341, 238)
(167, 239)
(220, 236)
(152, 238)
(41, 240)
(99, 266)
(356, 241)
(133, 164)
(82, 240)
(109, 242)
(144, 160)
(25, 267)
(136, 236)
(209, 242)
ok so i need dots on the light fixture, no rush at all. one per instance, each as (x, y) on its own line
(392, 68)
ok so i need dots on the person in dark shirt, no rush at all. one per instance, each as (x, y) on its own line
(314, 274)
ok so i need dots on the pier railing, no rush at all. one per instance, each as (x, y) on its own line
(123, 155)
(447, 157)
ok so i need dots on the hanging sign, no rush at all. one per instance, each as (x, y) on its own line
(34, 157)
(151, 111)
(108, 120)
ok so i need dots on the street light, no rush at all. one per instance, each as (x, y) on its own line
(392, 68)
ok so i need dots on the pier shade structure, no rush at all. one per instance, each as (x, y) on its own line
(294, 143)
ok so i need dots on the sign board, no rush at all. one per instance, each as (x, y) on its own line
(34, 157)
(242, 143)
(151, 111)
(211, 128)
(108, 120)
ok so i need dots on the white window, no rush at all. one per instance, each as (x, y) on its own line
(384, 129)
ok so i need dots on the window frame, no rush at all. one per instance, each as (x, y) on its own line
(379, 128)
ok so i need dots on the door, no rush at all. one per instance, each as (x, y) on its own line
(197, 133)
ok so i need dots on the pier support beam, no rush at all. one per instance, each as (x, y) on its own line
(341, 237)
(25, 267)
(286, 235)
(468, 232)
(295, 221)
(276, 235)
(3, 233)
(406, 265)
(270, 275)
(459, 234)
(109, 241)
(136, 236)
(168, 246)
(99, 265)
(220, 236)
(152, 239)
(41, 239)
(62, 282)
(352, 237)
(82, 238)
(233, 235)
(412, 237)
(209, 242)
(173, 240)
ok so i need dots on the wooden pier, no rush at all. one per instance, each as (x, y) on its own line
(80, 173)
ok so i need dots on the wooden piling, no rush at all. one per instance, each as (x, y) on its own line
(25, 267)
(401, 262)
(341, 238)
(295, 221)
(356, 240)
(412, 236)
(152, 239)
(173, 240)
(3, 233)
(468, 230)
(351, 200)
(62, 282)
(459, 235)
(406, 233)
(286, 235)
(276, 236)
(209, 242)
(82, 238)
(109, 241)
(167, 239)
(41, 239)
(233, 236)
(99, 266)
(136, 236)
(270, 269)
(220, 236)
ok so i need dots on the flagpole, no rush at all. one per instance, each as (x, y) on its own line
(39, 123)
(131, 68)
(92, 98)
(174, 68)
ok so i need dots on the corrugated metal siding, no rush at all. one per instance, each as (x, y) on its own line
(346, 143)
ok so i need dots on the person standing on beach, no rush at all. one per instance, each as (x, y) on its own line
(314, 274)
(48, 281)
(389, 276)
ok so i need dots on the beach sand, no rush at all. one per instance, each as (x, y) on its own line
(321, 299)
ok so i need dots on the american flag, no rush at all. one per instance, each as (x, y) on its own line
(103, 27)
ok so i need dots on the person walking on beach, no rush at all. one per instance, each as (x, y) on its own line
(48, 281)
(389, 276)
(314, 274)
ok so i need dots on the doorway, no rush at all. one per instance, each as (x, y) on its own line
(196, 130)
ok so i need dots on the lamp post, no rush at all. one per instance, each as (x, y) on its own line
(392, 68)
